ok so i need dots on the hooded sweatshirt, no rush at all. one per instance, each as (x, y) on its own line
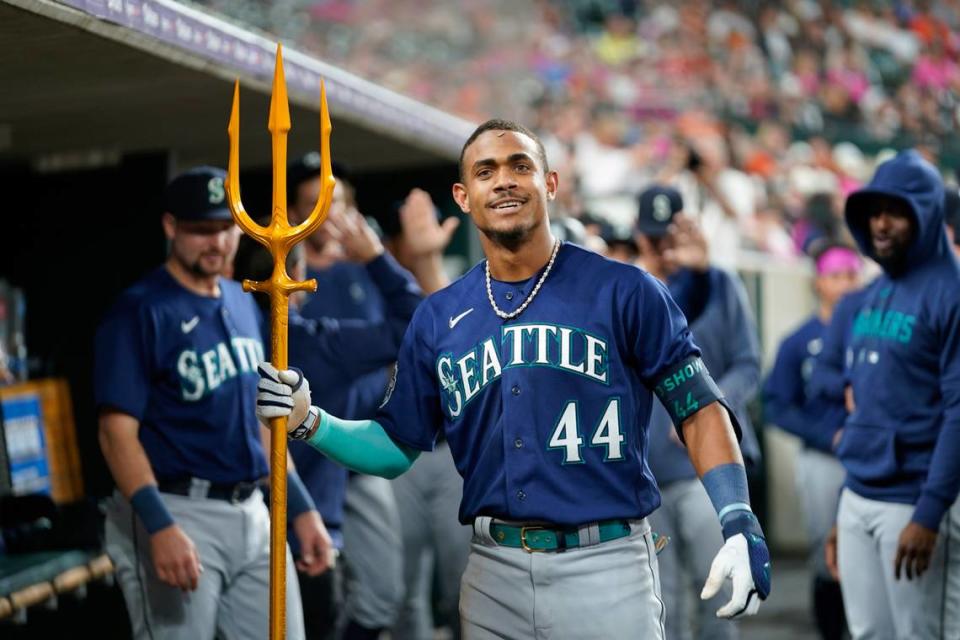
(902, 441)
(829, 378)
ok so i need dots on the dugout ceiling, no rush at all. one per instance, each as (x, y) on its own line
(83, 81)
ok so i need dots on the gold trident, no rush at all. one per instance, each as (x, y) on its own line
(279, 237)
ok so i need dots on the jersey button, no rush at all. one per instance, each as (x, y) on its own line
(518, 443)
(515, 390)
(521, 496)
(509, 295)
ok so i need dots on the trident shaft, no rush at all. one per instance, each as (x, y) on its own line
(279, 237)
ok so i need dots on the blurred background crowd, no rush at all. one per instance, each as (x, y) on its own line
(764, 114)
(754, 118)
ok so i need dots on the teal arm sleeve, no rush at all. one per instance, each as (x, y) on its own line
(361, 445)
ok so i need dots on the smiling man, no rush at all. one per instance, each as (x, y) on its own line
(898, 516)
(540, 366)
(175, 380)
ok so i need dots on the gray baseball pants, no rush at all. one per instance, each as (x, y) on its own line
(232, 600)
(609, 590)
(372, 553)
(428, 499)
(820, 477)
(877, 605)
(688, 517)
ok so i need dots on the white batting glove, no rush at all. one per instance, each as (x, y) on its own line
(745, 560)
(282, 393)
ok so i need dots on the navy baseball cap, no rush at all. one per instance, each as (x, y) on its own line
(198, 194)
(658, 205)
(307, 167)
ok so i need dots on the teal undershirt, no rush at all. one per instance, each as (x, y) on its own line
(361, 445)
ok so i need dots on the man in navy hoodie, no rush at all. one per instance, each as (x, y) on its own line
(901, 444)
(817, 421)
(673, 249)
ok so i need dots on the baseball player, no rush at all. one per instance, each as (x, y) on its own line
(897, 520)
(175, 382)
(674, 250)
(540, 366)
(816, 420)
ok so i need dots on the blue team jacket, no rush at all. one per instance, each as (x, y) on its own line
(345, 356)
(902, 442)
(787, 399)
(725, 331)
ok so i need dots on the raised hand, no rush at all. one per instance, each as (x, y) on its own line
(423, 234)
(351, 231)
(686, 244)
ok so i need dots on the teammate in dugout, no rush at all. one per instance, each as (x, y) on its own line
(175, 382)
(540, 366)
(898, 517)
(816, 420)
(673, 249)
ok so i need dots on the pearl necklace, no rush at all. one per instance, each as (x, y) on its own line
(533, 294)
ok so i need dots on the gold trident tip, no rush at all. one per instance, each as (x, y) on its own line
(278, 236)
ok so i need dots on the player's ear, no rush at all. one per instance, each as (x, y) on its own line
(169, 225)
(460, 195)
(553, 183)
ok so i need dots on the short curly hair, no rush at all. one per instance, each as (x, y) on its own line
(497, 124)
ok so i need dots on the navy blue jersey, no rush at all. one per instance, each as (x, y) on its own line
(185, 366)
(345, 290)
(787, 400)
(546, 414)
(348, 291)
(338, 357)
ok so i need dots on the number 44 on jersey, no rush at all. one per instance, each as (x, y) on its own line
(607, 433)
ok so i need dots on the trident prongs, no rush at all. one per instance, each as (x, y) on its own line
(278, 237)
(327, 181)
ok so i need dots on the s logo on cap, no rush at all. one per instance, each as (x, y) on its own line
(661, 207)
(215, 192)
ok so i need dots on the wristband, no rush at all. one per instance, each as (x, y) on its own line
(298, 499)
(685, 388)
(149, 507)
(309, 425)
(726, 485)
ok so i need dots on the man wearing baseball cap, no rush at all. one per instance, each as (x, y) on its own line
(175, 381)
(673, 249)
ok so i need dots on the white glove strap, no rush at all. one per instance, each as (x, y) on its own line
(309, 425)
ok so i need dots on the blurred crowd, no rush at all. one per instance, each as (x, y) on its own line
(764, 114)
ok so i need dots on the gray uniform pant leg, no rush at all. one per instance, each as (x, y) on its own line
(820, 477)
(434, 541)
(878, 606)
(688, 517)
(609, 590)
(232, 597)
(372, 552)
